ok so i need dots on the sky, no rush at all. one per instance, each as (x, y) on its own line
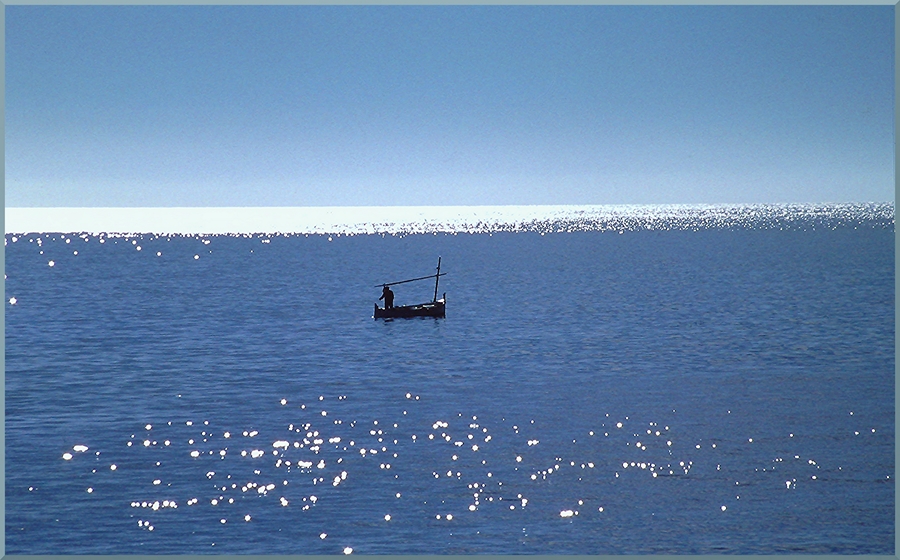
(224, 106)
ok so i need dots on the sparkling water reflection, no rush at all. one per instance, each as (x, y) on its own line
(249, 478)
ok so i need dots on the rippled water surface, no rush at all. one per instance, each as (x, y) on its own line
(713, 387)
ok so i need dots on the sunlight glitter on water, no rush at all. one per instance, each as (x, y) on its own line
(350, 221)
(517, 477)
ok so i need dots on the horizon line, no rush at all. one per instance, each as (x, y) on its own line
(431, 219)
(524, 205)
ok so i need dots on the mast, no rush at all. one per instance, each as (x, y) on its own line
(437, 278)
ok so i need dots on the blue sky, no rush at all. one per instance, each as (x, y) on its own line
(447, 105)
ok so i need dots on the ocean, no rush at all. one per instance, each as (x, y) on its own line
(687, 380)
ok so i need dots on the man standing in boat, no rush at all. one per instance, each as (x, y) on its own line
(388, 296)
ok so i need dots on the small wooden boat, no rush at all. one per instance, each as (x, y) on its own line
(435, 308)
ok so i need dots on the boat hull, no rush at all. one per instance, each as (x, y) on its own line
(432, 309)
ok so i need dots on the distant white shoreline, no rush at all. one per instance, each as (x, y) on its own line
(424, 219)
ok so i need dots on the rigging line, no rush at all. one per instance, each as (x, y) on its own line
(411, 280)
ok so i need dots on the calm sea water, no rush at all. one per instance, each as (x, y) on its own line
(647, 390)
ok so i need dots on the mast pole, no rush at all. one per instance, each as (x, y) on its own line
(437, 278)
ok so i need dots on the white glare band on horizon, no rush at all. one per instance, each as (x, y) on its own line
(441, 219)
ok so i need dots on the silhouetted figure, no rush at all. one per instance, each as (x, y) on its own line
(388, 296)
